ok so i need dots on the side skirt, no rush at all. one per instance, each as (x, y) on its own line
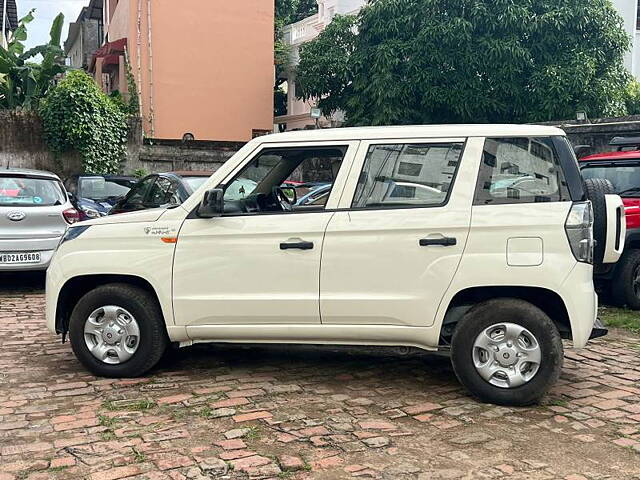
(425, 338)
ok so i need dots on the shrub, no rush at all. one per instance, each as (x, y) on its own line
(78, 116)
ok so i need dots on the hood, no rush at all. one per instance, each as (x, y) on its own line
(102, 207)
(143, 216)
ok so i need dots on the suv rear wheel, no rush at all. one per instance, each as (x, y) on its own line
(507, 351)
(625, 288)
(117, 330)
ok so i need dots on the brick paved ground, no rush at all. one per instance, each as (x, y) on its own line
(302, 412)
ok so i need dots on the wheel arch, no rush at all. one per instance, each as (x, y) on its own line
(546, 300)
(75, 288)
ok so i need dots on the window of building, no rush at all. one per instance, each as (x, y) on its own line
(519, 170)
(407, 175)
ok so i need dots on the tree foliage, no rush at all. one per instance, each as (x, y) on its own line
(286, 12)
(78, 116)
(445, 61)
(24, 83)
(326, 64)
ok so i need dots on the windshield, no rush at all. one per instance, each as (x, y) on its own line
(195, 182)
(625, 179)
(99, 188)
(36, 192)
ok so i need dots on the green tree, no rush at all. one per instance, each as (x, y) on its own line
(633, 98)
(286, 12)
(445, 61)
(78, 116)
(24, 83)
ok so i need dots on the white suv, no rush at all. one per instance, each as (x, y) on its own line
(471, 239)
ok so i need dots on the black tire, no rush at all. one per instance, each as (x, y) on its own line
(144, 307)
(625, 288)
(596, 189)
(520, 312)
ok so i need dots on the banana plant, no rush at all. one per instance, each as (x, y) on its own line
(23, 82)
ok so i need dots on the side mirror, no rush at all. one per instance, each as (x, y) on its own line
(212, 204)
(291, 193)
(71, 196)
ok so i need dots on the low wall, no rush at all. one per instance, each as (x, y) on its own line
(164, 156)
(598, 133)
(22, 145)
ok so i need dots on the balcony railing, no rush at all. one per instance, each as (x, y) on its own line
(302, 31)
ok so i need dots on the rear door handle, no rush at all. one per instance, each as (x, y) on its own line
(296, 245)
(445, 241)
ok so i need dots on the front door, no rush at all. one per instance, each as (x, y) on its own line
(393, 248)
(259, 263)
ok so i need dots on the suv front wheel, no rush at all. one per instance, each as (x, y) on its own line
(507, 351)
(117, 330)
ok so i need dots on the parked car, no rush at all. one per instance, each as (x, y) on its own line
(494, 278)
(95, 195)
(34, 214)
(620, 281)
(160, 190)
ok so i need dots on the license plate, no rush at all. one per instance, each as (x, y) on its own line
(14, 258)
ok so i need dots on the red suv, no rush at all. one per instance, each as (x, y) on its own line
(620, 282)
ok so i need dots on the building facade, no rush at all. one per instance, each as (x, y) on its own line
(298, 116)
(202, 68)
(85, 36)
(630, 12)
(8, 19)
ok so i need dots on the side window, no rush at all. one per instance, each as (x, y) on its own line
(519, 170)
(289, 172)
(137, 193)
(71, 185)
(162, 192)
(407, 175)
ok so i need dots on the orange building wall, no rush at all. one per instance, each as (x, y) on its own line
(212, 69)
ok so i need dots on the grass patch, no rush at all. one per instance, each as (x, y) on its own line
(138, 456)
(253, 433)
(206, 412)
(620, 318)
(106, 421)
(107, 436)
(129, 405)
(557, 402)
(57, 469)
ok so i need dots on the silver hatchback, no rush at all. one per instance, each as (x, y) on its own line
(34, 214)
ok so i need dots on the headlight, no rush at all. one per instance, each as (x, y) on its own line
(73, 232)
(90, 212)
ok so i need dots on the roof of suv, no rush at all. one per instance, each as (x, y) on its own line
(28, 172)
(628, 155)
(414, 131)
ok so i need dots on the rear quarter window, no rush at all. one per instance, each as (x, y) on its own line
(520, 170)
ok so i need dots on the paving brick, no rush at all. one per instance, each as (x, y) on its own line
(117, 473)
(247, 417)
(348, 412)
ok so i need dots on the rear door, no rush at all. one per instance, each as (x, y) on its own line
(393, 247)
(31, 213)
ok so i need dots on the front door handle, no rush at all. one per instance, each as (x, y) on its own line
(444, 241)
(296, 245)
